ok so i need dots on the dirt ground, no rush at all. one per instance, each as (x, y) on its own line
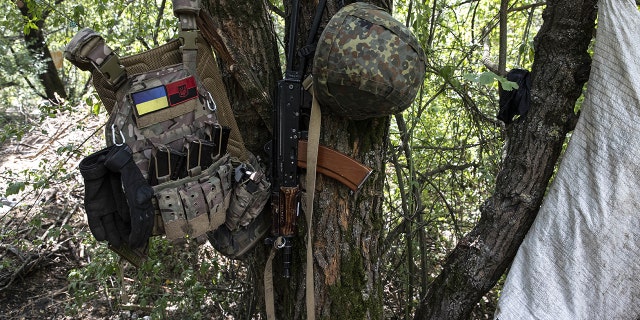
(43, 237)
(38, 243)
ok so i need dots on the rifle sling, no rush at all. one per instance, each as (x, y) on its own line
(312, 164)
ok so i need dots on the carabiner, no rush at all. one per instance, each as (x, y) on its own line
(279, 243)
(210, 102)
(113, 135)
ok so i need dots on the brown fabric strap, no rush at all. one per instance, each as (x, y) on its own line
(269, 300)
(312, 161)
(187, 13)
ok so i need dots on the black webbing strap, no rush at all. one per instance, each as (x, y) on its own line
(310, 47)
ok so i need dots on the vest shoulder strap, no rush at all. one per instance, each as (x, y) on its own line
(88, 51)
(187, 13)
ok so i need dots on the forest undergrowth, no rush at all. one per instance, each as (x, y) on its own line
(52, 268)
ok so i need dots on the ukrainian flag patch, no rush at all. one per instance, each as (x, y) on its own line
(150, 100)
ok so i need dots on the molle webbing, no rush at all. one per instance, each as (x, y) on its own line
(206, 70)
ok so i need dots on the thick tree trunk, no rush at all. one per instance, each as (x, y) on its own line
(250, 63)
(247, 51)
(37, 46)
(534, 144)
(346, 226)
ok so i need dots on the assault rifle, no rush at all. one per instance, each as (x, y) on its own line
(288, 149)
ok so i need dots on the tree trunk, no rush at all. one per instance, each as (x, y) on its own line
(534, 142)
(247, 52)
(37, 46)
(346, 226)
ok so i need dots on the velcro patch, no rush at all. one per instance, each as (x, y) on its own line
(182, 90)
(150, 100)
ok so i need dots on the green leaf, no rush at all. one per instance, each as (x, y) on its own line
(486, 78)
(506, 84)
(64, 149)
(509, 85)
(447, 72)
(15, 188)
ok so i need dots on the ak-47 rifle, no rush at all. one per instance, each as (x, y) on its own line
(285, 204)
(288, 149)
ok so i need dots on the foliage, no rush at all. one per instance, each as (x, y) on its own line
(127, 26)
(186, 281)
(176, 281)
(443, 152)
(445, 149)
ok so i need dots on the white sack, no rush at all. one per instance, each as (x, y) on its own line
(581, 258)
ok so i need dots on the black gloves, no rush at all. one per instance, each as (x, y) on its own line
(120, 217)
(137, 191)
(106, 222)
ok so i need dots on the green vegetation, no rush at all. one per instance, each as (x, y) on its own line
(443, 156)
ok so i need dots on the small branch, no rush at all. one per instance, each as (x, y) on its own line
(276, 10)
(502, 55)
(534, 5)
(28, 263)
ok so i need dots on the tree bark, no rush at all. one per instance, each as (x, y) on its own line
(247, 50)
(346, 226)
(250, 64)
(37, 47)
(534, 142)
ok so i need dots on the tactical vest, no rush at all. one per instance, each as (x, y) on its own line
(169, 105)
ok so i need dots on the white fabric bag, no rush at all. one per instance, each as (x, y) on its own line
(581, 257)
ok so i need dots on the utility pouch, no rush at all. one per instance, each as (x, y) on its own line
(194, 205)
(250, 194)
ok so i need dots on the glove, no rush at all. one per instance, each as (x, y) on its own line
(105, 222)
(137, 192)
(121, 204)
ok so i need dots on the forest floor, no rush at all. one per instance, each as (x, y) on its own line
(52, 268)
(39, 226)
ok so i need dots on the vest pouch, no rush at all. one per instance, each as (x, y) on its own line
(250, 193)
(191, 206)
(159, 107)
(217, 193)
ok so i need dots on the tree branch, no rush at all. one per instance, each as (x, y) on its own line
(561, 67)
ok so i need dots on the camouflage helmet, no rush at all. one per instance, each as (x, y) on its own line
(367, 64)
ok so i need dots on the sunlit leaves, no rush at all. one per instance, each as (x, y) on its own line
(127, 26)
(15, 188)
(453, 139)
(489, 78)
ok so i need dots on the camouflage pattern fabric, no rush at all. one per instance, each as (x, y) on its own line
(162, 105)
(195, 205)
(250, 194)
(367, 64)
(168, 126)
(157, 58)
(88, 51)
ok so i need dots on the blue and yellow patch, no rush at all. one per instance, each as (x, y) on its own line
(150, 100)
